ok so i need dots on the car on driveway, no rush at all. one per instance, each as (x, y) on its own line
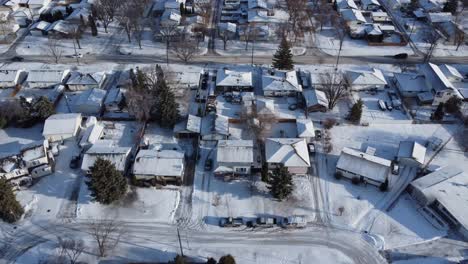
(231, 222)
(17, 59)
(318, 134)
(266, 221)
(208, 165)
(75, 162)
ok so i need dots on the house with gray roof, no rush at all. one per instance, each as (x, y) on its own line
(234, 157)
(162, 165)
(292, 153)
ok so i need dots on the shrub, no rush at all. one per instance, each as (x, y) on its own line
(338, 175)
(329, 123)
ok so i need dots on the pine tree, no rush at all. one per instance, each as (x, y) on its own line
(453, 105)
(211, 261)
(167, 108)
(10, 209)
(438, 115)
(355, 113)
(105, 183)
(414, 4)
(281, 185)
(92, 25)
(228, 259)
(57, 15)
(43, 108)
(179, 260)
(451, 6)
(283, 58)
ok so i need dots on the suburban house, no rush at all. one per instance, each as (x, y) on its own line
(45, 78)
(315, 100)
(443, 194)
(119, 156)
(91, 135)
(280, 83)
(411, 153)
(161, 165)
(442, 81)
(34, 154)
(232, 80)
(410, 84)
(22, 16)
(190, 127)
(354, 20)
(39, 28)
(85, 81)
(170, 18)
(363, 166)
(234, 157)
(114, 99)
(90, 102)
(370, 5)
(60, 127)
(11, 78)
(214, 127)
(305, 128)
(289, 152)
(365, 80)
(345, 4)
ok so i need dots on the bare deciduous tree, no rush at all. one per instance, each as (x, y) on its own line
(71, 248)
(259, 124)
(105, 11)
(204, 9)
(107, 234)
(54, 49)
(432, 37)
(168, 33)
(297, 16)
(333, 87)
(459, 37)
(185, 49)
(130, 13)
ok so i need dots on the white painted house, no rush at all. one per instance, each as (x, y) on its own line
(280, 83)
(61, 127)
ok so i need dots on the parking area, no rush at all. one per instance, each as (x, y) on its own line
(381, 107)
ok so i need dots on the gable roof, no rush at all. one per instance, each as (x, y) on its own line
(352, 15)
(77, 78)
(291, 152)
(61, 124)
(413, 150)
(276, 80)
(315, 97)
(191, 124)
(361, 163)
(116, 155)
(235, 151)
(226, 77)
(305, 128)
(374, 77)
(159, 163)
(46, 76)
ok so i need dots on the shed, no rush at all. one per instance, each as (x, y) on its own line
(61, 127)
(305, 128)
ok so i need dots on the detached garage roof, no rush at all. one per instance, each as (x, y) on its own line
(363, 164)
(412, 150)
(61, 124)
(305, 128)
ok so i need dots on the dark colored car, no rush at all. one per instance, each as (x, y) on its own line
(17, 59)
(231, 222)
(75, 162)
(208, 164)
(318, 134)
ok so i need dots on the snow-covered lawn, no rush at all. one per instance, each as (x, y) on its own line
(373, 114)
(261, 48)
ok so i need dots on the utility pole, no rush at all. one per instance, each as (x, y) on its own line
(180, 243)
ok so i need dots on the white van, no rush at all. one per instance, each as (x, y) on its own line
(41, 171)
(382, 105)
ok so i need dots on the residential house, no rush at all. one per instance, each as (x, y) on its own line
(292, 153)
(345, 4)
(365, 80)
(190, 127)
(305, 128)
(46, 78)
(234, 157)
(170, 18)
(280, 83)
(39, 28)
(22, 16)
(119, 156)
(34, 154)
(11, 78)
(85, 81)
(355, 22)
(443, 195)
(233, 80)
(10, 167)
(315, 100)
(410, 84)
(60, 127)
(90, 102)
(259, 5)
(161, 165)
(363, 166)
(91, 135)
(214, 127)
(411, 153)
(114, 99)
(61, 28)
(440, 81)
(370, 5)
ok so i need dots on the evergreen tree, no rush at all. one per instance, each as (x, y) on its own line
(355, 113)
(281, 184)
(92, 25)
(167, 108)
(179, 260)
(453, 105)
(105, 182)
(414, 4)
(10, 209)
(182, 9)
(451, 6)
(43, 108)
(211, 261)
(57, 15)
(228, 259)
(438, 115)
(282, 60)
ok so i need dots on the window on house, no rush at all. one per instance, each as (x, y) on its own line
(242, 170)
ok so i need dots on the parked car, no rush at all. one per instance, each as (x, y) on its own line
(17, 59)
(74, 56)
(231, 222)
(395, 168)
(295, 221)
(208, 165)
(292, 107)
(382, 105)
(266, 221)
(388, 106)
(318, 134)
(75, 162)
(311, 148)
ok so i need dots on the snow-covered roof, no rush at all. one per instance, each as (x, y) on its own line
(159, 163)
(9, 75)
(41, 25)
(191, 124)
(276, 80)
(315, 97)
(440, 17)
(114, 95)
(46, 76)
(412, 150)
(227, 77)
(346, 4)
(410, 82)
(261, 16)
(231, 27)
(215, 124)
(116, 155)
(257, 4)
(171, 15)
(34, 150)
(305, 128)
(92, 134)
(436, 77)
(291, 152)
(61, 124)
(352, 15)
(361, 163)
(451, 72)
(448, 186)
(374, 77)
(235, 151)
(91, 97)
(61, 26)
(366, 3)
(77, 78)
